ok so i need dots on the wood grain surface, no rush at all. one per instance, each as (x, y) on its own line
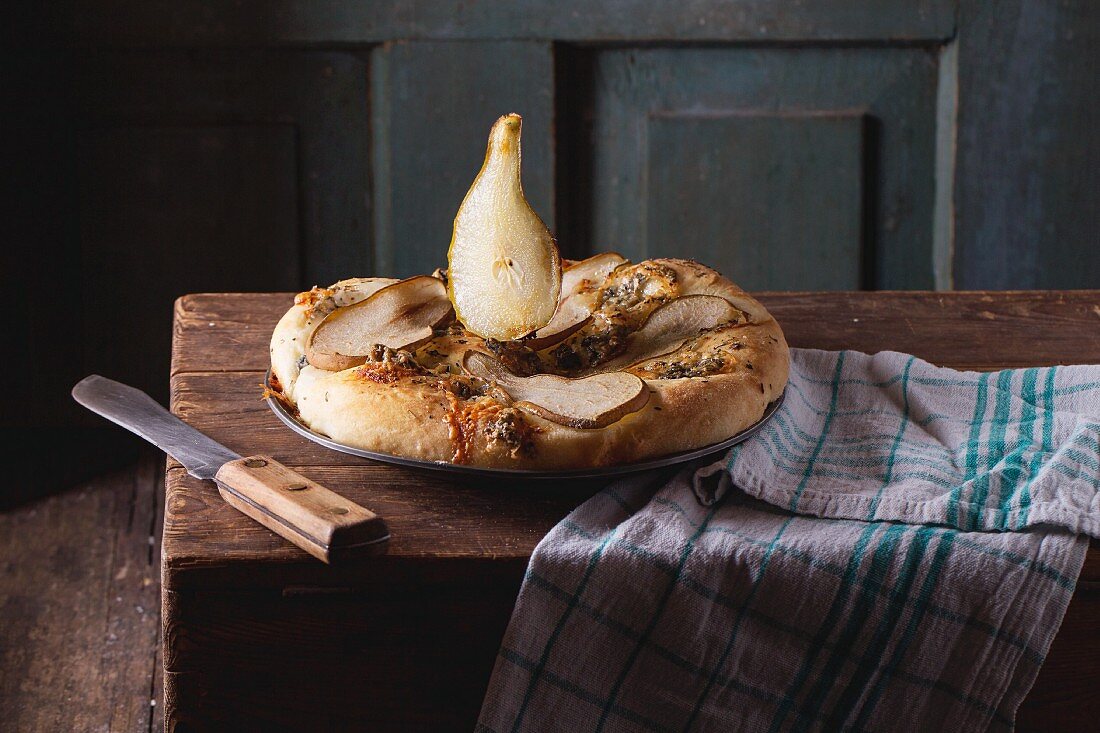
(79, 604)
(1007, 53)
(316, 519)
(237, 596)
(220, 355)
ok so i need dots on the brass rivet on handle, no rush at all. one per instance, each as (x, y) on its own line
(255, 463)
(295, 487)
(338, 510)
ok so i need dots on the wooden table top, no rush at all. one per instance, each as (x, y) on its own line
(455, 530)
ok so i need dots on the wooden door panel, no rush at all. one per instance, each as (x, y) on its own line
(862, 139)
(1027, 174)
(323, 94)
(432, 106)
(712, 197)
(212, 171)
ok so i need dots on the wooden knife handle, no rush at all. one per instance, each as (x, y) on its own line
(323, 523)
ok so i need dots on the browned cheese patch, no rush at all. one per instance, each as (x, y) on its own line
(621, 304)
(504, 427)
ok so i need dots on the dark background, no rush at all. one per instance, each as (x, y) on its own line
(159, 148)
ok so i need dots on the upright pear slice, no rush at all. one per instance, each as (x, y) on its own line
(398, 316)
(504, 271)
(591, 402)
(574, 311)
(668, 327)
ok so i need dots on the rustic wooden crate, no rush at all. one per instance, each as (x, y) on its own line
(258, 635)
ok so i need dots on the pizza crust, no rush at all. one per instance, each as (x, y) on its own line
(423, 410)
(292, 332)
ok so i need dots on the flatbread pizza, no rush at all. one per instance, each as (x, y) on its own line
(514, 358)
(692, 358)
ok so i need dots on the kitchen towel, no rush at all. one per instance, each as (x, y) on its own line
(894, 551)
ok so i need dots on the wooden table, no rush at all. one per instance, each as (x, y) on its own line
(258, 634)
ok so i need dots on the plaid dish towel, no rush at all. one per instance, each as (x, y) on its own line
(894, 551)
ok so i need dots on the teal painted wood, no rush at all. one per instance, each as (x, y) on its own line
(713, 183)
(297, 22)
(432, 105)
(1027, 178)
(323, 95)
(893, 89)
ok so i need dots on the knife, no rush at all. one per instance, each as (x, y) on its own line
(324, 524)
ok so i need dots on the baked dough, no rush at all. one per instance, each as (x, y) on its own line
(420, 403)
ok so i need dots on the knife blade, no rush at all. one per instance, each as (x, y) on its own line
(319, 521)
(141, 414)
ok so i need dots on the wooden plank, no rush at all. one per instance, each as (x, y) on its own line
(182, 207)
(240, 598)
(967, 330)
(894, 89)
(432, 520)
(396, 656)
(432, 105)
(962, 330)
(225, 331)
(979, 331)
(1065, 696)
(1026, 177)
(291, 22)
(79, 587)
(772, 200)
(437, 521)
(406, 658)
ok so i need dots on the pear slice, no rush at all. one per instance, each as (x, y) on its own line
(594, 268)
(503, 267)
(668, 327)
(574, 312)
(591, 402)
(398, 316)
(341, 294)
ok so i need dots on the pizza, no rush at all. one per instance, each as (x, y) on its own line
(639, 360)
